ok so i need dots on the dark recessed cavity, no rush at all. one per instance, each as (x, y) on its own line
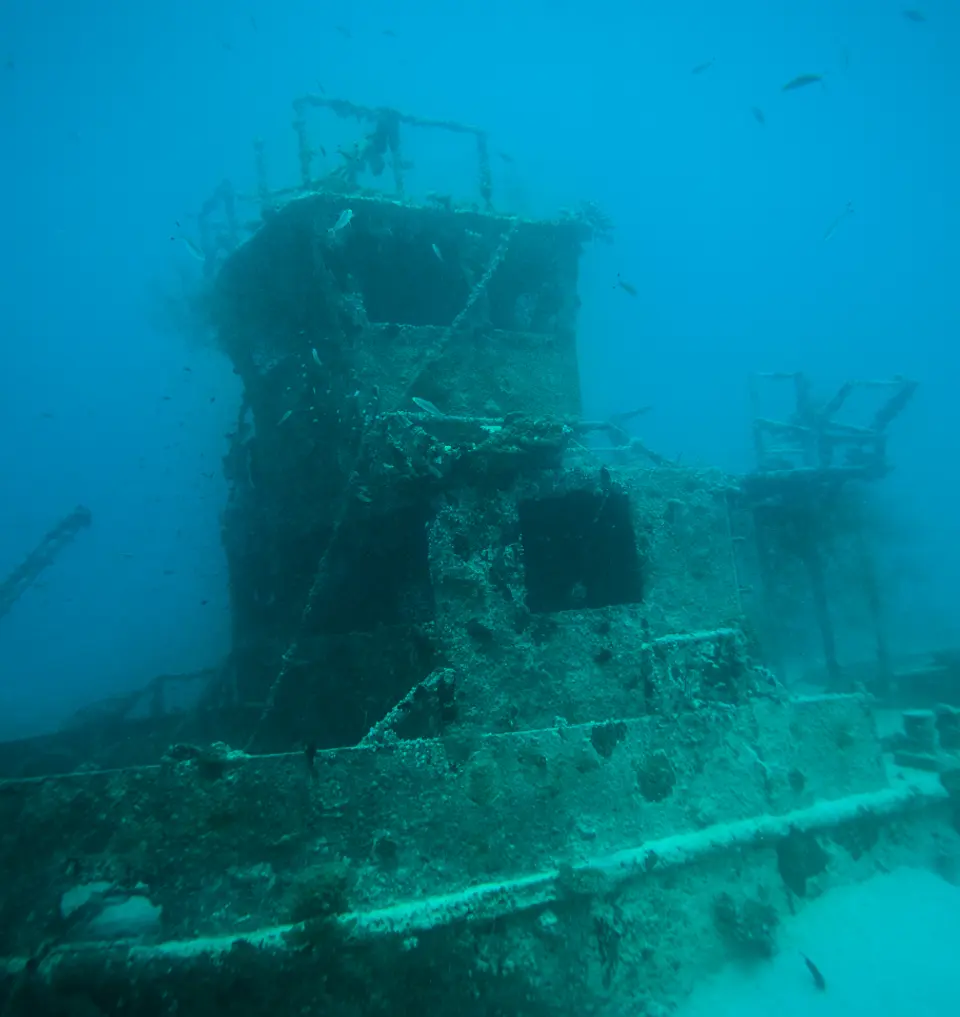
(579, 551)
(378, 573)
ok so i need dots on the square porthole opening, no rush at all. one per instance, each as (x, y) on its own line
(579, 551)
(378, 574)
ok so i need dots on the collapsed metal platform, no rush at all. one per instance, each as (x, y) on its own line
(501, 728)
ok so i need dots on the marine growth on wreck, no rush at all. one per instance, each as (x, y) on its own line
(503, 725)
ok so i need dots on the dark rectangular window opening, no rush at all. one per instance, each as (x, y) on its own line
(377, 573)
(401, 277)
(579, 551)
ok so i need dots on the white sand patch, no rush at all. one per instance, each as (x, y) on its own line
(887, 948)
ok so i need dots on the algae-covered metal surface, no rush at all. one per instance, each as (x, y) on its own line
(503, 728)
(223, 842)
(641, 846)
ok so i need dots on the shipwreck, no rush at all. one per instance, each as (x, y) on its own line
(503, 725)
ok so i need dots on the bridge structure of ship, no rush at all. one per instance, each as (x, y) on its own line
(502, 725)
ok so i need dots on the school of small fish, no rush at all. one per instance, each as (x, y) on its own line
(794, 84)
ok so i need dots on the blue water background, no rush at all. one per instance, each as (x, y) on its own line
(118, 119)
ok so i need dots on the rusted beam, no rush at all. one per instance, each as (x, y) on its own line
(42, 556)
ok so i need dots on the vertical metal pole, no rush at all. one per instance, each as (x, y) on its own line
(229, 201)
(771, 614)
(758, 449)
(396, 161)
(486, 176)
(807, 418)
(304, 151)
(260, 161)
(874, 603)
(814, 564)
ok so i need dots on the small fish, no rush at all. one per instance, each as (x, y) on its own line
(316, 358)
(705, 66)
(344, 31)
(917, 17)
(389, 33)
(627, 287)
(436, 251)
(285, 417)
(801, 81)
(619, 419)
(818, 980)
(758, 115)
(345, 216)
(428, 407)
(835, 225)
(507, 158)
(193, 248)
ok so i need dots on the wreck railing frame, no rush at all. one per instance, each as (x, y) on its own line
(813, 434)
(384, 119)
